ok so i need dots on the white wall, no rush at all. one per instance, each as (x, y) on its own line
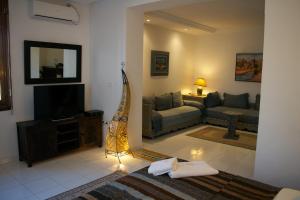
(278, 151)
(216, 56)
(211, 56)
(23, 27)
(181, 61)
(108, 51)
(117, 36)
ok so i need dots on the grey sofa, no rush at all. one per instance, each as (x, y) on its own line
(157, 122)
(247, 121)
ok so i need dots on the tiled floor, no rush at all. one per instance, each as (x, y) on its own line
(48, 178)
(228, 158)
(51, 177)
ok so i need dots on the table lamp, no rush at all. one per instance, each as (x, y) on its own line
(200, 82)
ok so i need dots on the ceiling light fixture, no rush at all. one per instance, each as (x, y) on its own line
(148, 20)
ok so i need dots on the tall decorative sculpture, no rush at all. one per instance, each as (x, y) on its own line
(116, 142)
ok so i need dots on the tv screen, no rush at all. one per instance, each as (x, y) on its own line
(58, 102)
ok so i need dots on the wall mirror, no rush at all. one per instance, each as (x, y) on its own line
(47, 62)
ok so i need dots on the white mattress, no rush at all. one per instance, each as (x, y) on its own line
(288, 194)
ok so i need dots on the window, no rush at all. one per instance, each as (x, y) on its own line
(5, 100)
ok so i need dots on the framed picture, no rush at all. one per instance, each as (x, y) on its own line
(248, 67)
(159, 63)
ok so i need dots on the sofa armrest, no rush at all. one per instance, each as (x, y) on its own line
(252, 106)
(192, 103)
(147, 120)
(156, 121)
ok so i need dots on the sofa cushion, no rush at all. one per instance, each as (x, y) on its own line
(149, 100)
(177, 99)
(250, 116)
(257, 102)
(189, 111)
(236, 101)
(192, 103)
(178, 115)
(163, 102)
(212, 99)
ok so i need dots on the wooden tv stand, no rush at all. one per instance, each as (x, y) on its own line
(42, 139)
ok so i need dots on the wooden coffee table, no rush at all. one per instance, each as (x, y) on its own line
(233, 118)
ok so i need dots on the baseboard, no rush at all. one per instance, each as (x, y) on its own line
(5, 160)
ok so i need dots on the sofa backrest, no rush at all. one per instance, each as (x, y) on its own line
(236, 101)
(165, 101)
(252, 105)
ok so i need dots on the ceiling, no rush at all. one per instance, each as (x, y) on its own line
(223, 15)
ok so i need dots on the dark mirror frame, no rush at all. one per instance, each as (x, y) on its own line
(27, 63)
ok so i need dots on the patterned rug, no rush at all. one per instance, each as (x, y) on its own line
(247, 141)
(76, 192)
(140, 185)
(149, 155)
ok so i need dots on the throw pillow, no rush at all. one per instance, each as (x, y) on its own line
(213, 99)
(163, 102)
(236, 101)
(177, 99)
(257, 102)
(149, 100)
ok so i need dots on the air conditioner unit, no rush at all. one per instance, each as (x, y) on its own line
(49, 11)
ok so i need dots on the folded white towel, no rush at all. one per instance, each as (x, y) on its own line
(193, 168)
(163, 166)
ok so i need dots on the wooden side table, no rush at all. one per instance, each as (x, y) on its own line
(233, 118)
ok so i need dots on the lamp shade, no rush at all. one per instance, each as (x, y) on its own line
(200, 82)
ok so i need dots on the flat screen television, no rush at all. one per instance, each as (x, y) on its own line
(57, 102)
